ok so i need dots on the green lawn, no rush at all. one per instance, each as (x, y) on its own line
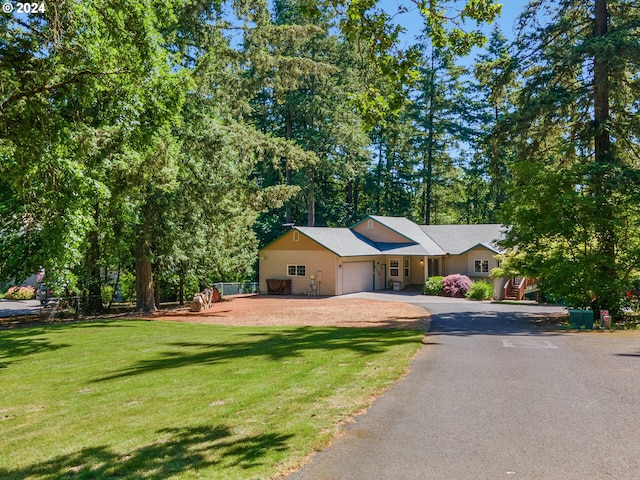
(140, 399)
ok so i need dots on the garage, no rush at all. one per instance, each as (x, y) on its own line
(357, 277)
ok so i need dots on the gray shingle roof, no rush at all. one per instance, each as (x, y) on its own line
(421, 239)
(457, 239)
(344, 242)
(412, 231)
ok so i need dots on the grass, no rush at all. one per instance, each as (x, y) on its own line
(157, 400)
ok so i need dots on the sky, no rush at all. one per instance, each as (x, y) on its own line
(412, 21)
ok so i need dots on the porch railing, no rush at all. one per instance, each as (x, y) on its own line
(516, 288)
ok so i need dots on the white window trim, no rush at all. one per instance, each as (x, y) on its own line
(296, 270)
(370, 225)
(407, 267)
(296, 236)
(397, 267)
(482, 264)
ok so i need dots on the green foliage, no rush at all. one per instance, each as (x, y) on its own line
(146, 132)
(433, 285)
(107, 294)
(128, 286)
(20, 293)
(180, 384)
(574, 206)
(480, 290)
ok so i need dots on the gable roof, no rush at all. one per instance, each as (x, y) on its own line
(422, 240)
(344, 242)
(457, 239)
(411, 232)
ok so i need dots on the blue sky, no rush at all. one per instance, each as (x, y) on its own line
(412, 21)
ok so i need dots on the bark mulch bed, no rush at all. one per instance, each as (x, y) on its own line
(303, 311)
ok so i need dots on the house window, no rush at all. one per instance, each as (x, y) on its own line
(481, 266)
(370, 225)
(394, 268)
(406, 267)
(296, 270)
(296, 236)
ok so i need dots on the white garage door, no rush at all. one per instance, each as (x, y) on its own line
(357, 277)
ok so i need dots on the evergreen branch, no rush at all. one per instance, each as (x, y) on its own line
(75, 78)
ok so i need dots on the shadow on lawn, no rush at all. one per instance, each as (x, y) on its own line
(273, 346)
(176, 450)
(21, 343)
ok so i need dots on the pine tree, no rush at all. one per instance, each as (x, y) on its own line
(574, 202)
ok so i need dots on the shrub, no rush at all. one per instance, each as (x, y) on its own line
(480, 290)
(128, 287)
(433, 286)
(107, 294)
(455, 285)
(20, 293)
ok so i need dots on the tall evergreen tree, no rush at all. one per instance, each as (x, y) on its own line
(575, 198)
(495, 91)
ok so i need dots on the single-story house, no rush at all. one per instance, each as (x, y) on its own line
(377, 253)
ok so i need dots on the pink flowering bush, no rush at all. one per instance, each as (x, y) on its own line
(455, 285)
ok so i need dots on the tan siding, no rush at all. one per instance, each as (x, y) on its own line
(417, 271)
(480, 254)
(380, 233)
(455, 264)
(286, 242)
(273, 264)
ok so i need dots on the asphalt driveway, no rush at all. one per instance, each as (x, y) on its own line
(9, 308)
(492, 396)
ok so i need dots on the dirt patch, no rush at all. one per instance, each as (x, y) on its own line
(251, 310)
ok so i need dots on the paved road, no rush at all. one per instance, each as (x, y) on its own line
(9, 308)
(491, 397)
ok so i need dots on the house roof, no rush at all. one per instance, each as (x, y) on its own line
(344, 242)
(457, 239)
(424, 240)
(411, 231)
(402, 249)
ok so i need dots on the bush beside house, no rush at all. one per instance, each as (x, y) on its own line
(456, 285)
(480, 290)
(433, 286)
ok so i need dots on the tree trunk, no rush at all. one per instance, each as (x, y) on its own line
(428, 168)
(605, 231)
(144, 278)
(287, 168)
(350, 198)
(379, 176)
(156, 291)
(311, 214)
(94, 302)
(181, 285)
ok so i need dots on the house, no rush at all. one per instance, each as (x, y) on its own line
(375, 254)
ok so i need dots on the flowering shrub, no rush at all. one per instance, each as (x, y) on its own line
(433, 286)
(455, 285)
(480, 290)
(20, 293)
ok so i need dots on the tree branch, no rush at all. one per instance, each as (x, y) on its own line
(75, 78)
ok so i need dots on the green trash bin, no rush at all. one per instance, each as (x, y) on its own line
(581, 319)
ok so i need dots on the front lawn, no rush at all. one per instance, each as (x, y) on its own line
(140, 399)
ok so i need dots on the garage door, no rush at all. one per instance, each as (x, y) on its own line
(357, 277)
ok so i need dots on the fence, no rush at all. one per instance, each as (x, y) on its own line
(235, 288)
